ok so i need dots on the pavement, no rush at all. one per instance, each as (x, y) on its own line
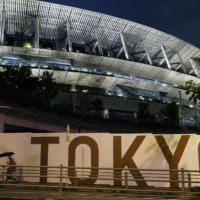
(41, 194)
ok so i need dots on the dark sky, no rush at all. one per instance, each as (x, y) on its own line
(180, 18)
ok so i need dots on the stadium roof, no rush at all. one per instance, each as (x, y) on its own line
(167, 58)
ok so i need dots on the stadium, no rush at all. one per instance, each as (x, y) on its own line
(122, 61)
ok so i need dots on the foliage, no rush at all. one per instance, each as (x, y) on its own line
(171, 113)
(15, 43)
(18, 85)
(64, 49)
(143, 112)
(69, 102)
(193, 90)
(17, 79)
(97, 105)
(65, 106)
(46, 86)
(84, 102)
(195, 189)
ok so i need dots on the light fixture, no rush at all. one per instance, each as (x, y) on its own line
(119, 95)
(27, 44)
(109, 73)
(73, 90)
(190, 106)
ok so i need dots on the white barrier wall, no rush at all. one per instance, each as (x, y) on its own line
(140, 151)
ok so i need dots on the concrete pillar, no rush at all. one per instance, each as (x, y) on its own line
(165, 56)
(124, 46)
(94, 47)
(98, 40)
(69, 36)
(36, 35)
(147, 54)
(73, 88)
(106, 91)
(1, 123)
(194, 66)
(2, 33)
(119, 52)
(181, 61)
(106, 114)
(110, 54)
(87, 49)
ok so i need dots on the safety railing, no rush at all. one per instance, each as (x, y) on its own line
(174, 182)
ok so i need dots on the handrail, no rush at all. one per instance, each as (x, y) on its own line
(58, 175)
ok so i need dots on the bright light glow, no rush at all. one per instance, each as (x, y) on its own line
(85, 91)
(141, 97)
(27, 44)
(84, 69)
(190, 106)
(119, 95)
(73, 90)
(33, 64)
(109, 73)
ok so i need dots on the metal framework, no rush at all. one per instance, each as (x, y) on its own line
(145, 52)
(46, 20)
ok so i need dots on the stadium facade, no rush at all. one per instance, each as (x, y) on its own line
(126, 60)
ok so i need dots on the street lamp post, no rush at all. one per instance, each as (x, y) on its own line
(180, 106)
(195, 114)
(67, 140)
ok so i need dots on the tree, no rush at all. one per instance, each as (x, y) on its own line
(84, 102)
(46, 89)
(18, 85)
(143, 113)
(67, 104)
(193, 90)
(97, 104)
(171, 113)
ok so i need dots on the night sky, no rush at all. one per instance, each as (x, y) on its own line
(180, 18)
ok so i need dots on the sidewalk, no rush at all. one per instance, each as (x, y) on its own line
(25, 194)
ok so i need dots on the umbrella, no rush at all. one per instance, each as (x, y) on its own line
(6, 154)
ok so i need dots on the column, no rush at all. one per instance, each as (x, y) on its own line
(3, 20)
(181, 61)
(1, 123)
(147, 54)
(124, 46)
(73, 88)
(120, 51)
(106, 90)
(106, 114)
(69, 36)
(98, 41)
(94, 47)
(36, 35)
(196, 71)
(165, 56)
